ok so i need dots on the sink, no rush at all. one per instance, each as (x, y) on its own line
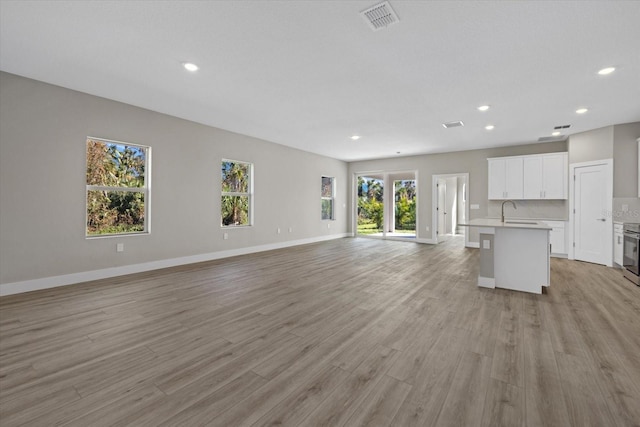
(521, 222)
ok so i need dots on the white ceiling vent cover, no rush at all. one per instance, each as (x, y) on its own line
(380, 16)
(453, 124)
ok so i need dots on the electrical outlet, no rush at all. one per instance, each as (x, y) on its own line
(328, 225)
(278, 230)
(120, 247)
(225, 236)
(290, 229)
(427, 227)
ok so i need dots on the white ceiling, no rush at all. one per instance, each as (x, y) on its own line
(309, 74)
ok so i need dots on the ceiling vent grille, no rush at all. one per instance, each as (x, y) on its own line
(552, 138)
(453, 124)
(380, 16)
(562, 127)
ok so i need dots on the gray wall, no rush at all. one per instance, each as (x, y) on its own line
(475, 163)
(626, 204)
(43, 129)
(618, 142)
(596, 144)
(625, 160)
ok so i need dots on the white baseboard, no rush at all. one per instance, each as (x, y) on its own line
(86, 276)
(487, 282)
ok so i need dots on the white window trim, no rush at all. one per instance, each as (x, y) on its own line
(249, 194)
(146, 190)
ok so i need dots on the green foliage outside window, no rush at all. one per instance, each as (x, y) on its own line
(327, 197)
(370, 205)
(405, 210)
(116, 188)
(236, 193)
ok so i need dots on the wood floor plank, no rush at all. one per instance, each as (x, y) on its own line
(508, 356)
(466, 398)
(344, 401)
(380, 406)
(116, 413)
(504, 405)
(302, 401)
(343, 332)
(585, 402)
(543, 390)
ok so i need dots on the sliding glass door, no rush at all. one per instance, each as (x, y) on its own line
(370, 202)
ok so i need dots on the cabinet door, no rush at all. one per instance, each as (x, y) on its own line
(513, 178)
(618, 244)
(554, 176)
(557, 241)
(532, 180)
(557, 237)
(497, 171)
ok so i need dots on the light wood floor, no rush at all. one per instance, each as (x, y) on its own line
(347, 332)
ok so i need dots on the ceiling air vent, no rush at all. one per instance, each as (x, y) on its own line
(552, 138)
(380, 16)
(453, 124)
(562, 127)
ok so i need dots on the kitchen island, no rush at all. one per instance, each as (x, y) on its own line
(514, 254)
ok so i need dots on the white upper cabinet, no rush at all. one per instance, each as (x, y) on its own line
(545, 176)
(533, 174)
(540, 176)
(505, 178)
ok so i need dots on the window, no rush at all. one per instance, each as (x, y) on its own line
(236, 193)
(328, 197)
(117, 188)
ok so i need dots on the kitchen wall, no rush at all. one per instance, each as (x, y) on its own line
(617, 142)
(626, 204)
(475, 163)
(596, 144)
(43, 129)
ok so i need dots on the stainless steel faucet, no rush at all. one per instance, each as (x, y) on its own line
(512, 203)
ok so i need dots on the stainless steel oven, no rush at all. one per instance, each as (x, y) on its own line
(630, 252)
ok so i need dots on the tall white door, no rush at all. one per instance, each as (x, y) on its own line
(451, 198)
(442, 207)
(592, 225)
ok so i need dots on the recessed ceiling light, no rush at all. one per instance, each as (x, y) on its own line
(489, 127)
(483, 107)
(355, 137)
(556, 133)
(190, 66)
(581, 110)
(606, 71)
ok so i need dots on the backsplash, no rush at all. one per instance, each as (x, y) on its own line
(631, 214)
(531, 209)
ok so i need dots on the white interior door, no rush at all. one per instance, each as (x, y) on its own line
(592, 225)
(442, 207)
(451, 197)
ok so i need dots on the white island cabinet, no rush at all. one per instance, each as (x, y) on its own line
(513, 254)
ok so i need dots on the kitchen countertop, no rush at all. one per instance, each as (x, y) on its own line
(509, 223)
